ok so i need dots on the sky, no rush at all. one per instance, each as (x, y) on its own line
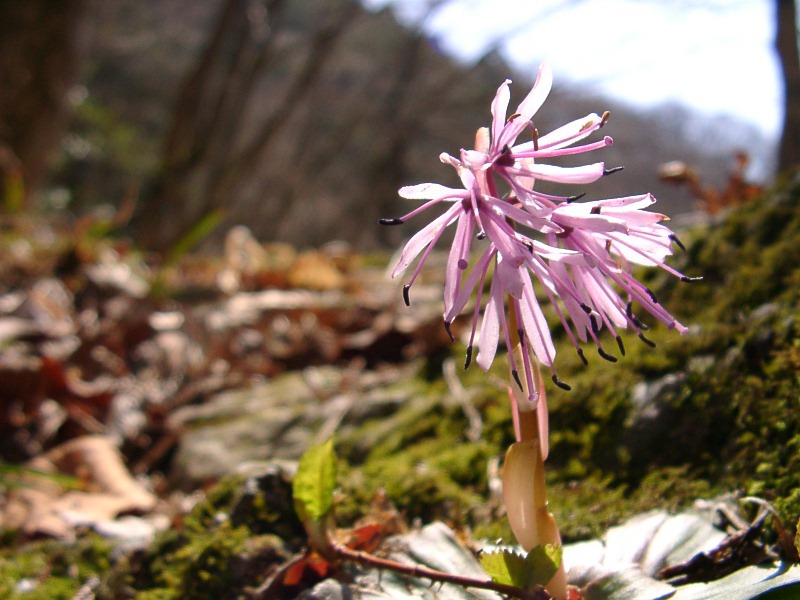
(715, 56)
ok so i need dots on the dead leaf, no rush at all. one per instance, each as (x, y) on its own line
(42, 505)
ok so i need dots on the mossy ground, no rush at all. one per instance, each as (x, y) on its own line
(54, 569)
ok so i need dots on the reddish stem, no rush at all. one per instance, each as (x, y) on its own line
(369, 560)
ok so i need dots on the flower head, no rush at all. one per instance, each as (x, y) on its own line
(578, 255)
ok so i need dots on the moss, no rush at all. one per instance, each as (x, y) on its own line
(226, 543)
(52, 568)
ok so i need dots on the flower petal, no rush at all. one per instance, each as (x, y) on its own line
(582, 174)
(490, 327)
(499, 110)
(429, 191)
(423, 237)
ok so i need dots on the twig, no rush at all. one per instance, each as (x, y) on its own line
(370, 560)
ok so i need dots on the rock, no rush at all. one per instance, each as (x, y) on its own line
(434, 546)
(279, 419)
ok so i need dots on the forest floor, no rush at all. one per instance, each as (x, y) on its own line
(140, 395)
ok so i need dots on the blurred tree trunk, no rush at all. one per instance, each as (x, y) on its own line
(208, 154)
(41, 43)
(787, 45)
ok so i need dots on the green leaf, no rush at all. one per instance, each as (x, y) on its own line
(313, 484)
(509, 568)
(543, 561)
(505, 567)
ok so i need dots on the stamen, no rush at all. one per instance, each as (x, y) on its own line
(405, 294)
(449, 332)
(586, 308)
(583, 357)
(521, 334)
(604, 119)
(515, 375)
(390, 221)
(606, 355)
(571, 199)
(561, 384)
(634, 319)
(595, 324)
(686, 279)
(468, 358)
(650, 343)
(651, 294)
(675, 239)
(481, 235)
(621, 346)
(462, 264)
(595, 210)
(535, 139)
(612, 170)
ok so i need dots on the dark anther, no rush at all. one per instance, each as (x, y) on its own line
(686, 279)
(390, 221)
(652, 295)
(595, 324)
(521, 334)
(595, 210)
(675, 239)
(535, 139)
(561, 384)
(612, 170)
(449, 332)
(650, 343)
(621, 346)
(606, 355)
(583, 357)
(515, 375)
(586, 308)
(468, 358)
(406, 287)
(634, 319)
(481, 235)
(575, 197)
(604, 119)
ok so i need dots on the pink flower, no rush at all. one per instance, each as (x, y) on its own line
(579, 253)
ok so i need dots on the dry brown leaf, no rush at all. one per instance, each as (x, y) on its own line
(41, 506)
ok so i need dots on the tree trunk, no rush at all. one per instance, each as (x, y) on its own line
(786, 44)
(41, 43)
(209, 155)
